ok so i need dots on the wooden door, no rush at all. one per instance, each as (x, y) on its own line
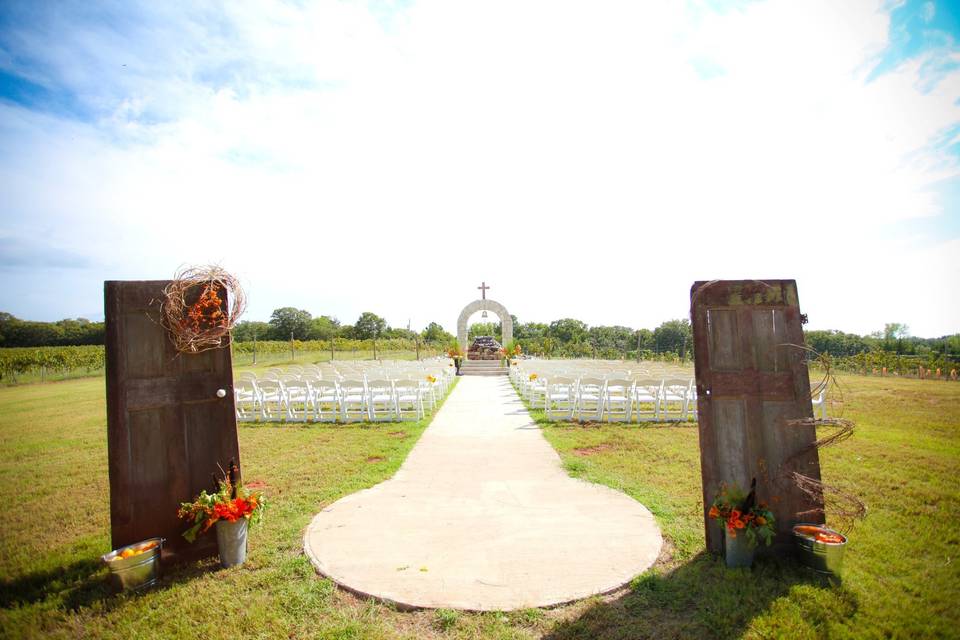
(168, 430)
(750, 382)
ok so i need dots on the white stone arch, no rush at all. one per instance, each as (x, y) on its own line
(506, 321)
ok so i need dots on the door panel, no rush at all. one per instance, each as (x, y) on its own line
(167, 431)
(750, 383)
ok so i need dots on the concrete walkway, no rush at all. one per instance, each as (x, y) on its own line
(482, 516)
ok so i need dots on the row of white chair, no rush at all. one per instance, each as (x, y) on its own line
(348, 400)
(620, 400)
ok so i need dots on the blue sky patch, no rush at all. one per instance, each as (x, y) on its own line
(918, 27)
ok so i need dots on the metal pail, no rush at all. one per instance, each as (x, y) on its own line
(138, 571)
(823, 557)
(232, 541)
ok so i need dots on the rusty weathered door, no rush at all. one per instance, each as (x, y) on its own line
(750, 382)
(167, 429)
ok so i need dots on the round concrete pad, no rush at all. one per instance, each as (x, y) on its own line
(482, 516)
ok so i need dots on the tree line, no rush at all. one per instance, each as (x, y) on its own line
(894, 338)
(567, 337)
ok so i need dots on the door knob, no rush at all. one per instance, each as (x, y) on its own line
(221, 393)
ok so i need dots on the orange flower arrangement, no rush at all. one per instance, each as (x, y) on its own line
(739, 513)
(230, 502)
(206, 312)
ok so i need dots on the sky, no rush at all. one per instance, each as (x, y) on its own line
(585, 159)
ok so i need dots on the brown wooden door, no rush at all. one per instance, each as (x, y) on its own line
(750, 382)
(167, 429)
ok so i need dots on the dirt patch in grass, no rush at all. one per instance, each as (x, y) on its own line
(586, 452)
(375, 459)
(398, 434)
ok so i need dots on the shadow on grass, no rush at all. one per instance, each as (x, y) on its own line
(86, 582)
(78, 584)
(704, 599)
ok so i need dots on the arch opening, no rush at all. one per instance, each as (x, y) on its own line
(506, 322)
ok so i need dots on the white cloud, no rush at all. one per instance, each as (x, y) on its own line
(570, 154)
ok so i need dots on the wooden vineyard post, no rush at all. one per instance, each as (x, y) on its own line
(752, 380)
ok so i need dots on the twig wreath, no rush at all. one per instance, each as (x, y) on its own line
(204, 324)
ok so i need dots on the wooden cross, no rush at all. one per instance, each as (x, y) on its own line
(483, 289)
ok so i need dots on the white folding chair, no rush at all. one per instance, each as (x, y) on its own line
(676, 395)
(820, 404)
(561, 398)
(382, 400)
(535, 390)
(353, 400)
(646, 398)
(246, 398)
(272, 399)
(617, 400)
(409, 397)
(589, 397)
(299, 400)
(326, 400)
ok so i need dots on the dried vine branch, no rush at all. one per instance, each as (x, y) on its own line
(203, 324)
(844, 507)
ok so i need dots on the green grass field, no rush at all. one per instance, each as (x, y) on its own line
(901, 575)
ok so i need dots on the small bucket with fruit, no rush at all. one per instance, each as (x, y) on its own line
(819, 548)
(135, 566)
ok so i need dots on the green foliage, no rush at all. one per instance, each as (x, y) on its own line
(288, 322)
(18, 361)
(530, 331)
(339, 345)
(756, 523)
(246, 330)
(568, 330)
(836, 343)
(369, 325)
(445, 619)
(675, 336)
(324, 328)
(405, 334)
(484, 329)
(895, 331)
(435, 333)
(69, 332)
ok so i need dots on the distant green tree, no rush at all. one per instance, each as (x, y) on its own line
(530, 331)
(369, 325)
(568, 330)
(611, 341)
(836, 343)
(435, 333)
(244, 331)
(484, 329)
(397, 332)
(643, 338)
(674, 335)
(288, 321)
(895, 331)
(324, 328)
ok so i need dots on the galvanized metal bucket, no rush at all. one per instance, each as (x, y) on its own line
(139, 571)
(232, 540)
(823, 557)
(738, 552)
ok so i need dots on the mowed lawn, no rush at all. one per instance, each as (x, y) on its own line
(901, 575)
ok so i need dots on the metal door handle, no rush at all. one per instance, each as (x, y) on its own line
(221, 393)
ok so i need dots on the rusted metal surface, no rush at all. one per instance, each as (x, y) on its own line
(167, 431)
(750, 383)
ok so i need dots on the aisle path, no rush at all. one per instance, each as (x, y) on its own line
(482, 516)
